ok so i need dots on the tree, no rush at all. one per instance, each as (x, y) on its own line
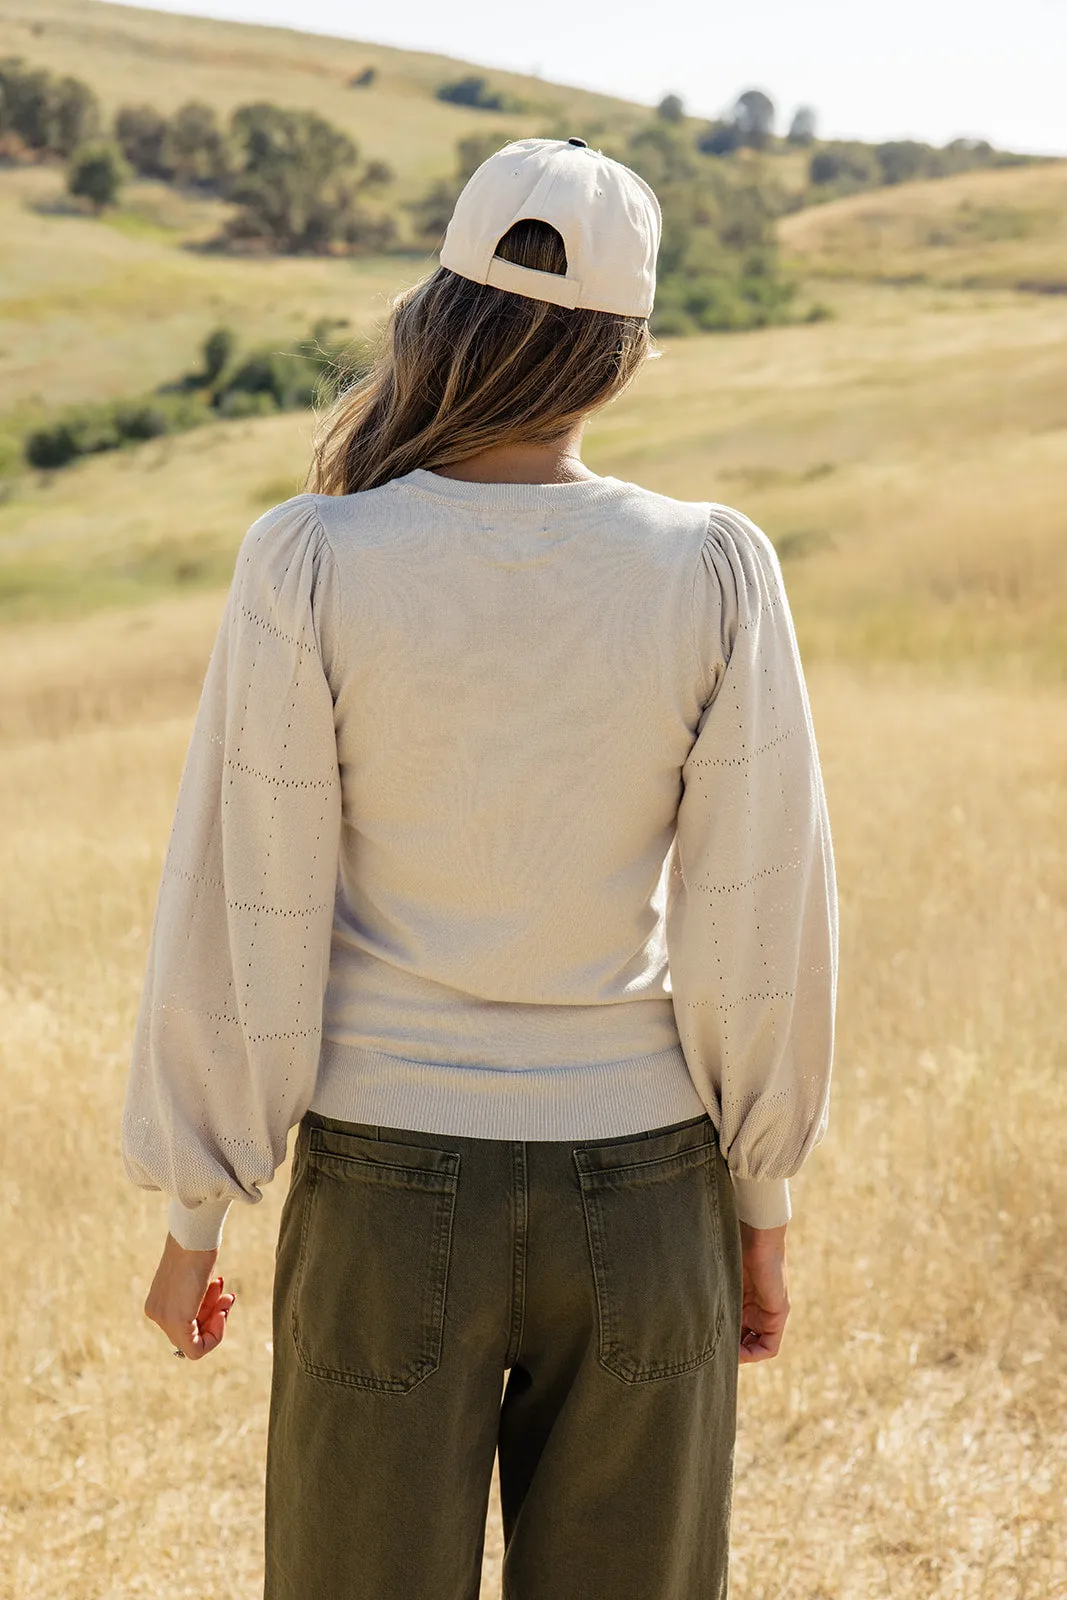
(850, 165)
(96, 173)
(900, 159)
(430, 212)
(662, 154)
(141, 134)
(979, 148)
(720, 137)
(376, 174)
(75, 115)
(671, 108)
(802, 127)
(747, 222)
(474, 90)
(194, 147)
(363, 231)
(298, 187)
(718, 261)
(754, 115)
(474, 149)
(29, 104)
(52, 115)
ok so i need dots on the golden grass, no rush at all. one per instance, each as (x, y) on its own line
(909, 458)
(910, 1439)
(92, 310)
(130, 55)
(1001, 227)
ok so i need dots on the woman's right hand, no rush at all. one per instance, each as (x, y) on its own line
(765, 1295)
(186, 1301)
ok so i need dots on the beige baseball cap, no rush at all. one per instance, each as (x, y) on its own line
(608, 217)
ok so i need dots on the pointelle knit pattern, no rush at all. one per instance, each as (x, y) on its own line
(501, 815)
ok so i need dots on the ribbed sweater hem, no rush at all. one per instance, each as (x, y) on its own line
(601, 1100)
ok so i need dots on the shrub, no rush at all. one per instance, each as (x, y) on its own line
(901, 159)
(97, 173)
(474, 90)
(364, 232)
(49, 114)
(750, 122)
(141, 134)
(75, 115)
(26, 101)
(89, 430)
(84, 431)
(183, 411)
(195, 149)
(140, 419)
(802, 127)
(51, 447)
(377, 174)
(431, 211)
(265, 381)
(299, 186)
(364, 79)
(849, 165)
(753, 113)
(218, 349)
(719, 138)
(236, 403)
(290, 380)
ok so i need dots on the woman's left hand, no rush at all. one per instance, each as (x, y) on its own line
(186, 1301)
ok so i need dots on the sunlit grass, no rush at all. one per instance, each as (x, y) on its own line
(909, 459)
(1001, 227)
(910, 1439)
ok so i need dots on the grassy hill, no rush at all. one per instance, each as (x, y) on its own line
(885, 449)
(908, 456)
(130, 56)
(990, 229)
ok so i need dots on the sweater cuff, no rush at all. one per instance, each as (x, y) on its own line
(762, 1202)
(197, 1227)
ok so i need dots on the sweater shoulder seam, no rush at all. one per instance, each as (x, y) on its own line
(322, 538)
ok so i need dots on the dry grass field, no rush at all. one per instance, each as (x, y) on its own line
(130, 55)
(910, 1439)
(909, 458)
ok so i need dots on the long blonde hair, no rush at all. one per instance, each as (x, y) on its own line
(464, 367)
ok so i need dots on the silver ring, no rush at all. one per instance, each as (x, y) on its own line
(177, 1352)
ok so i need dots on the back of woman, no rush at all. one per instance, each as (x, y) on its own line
(500, 865)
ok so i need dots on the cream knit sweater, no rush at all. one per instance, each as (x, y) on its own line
(502, 815)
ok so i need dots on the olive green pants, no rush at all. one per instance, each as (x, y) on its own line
(414, 1270)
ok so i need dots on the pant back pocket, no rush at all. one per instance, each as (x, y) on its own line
(654, 1228)
(371, 1278)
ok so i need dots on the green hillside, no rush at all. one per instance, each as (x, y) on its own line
(884, 447)
(128, 55)
(1003, 229)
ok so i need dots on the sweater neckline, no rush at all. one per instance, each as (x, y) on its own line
(510, 496)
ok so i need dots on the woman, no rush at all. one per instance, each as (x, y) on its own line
(501, 865)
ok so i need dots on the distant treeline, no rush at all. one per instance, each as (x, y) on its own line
(229, 383)
(841, 164)
(296, 183)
